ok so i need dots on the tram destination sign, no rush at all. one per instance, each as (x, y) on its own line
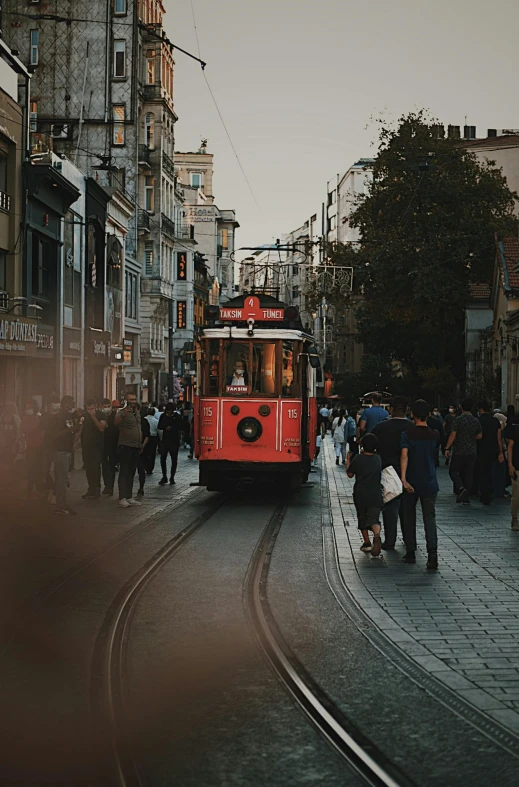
(251, 310)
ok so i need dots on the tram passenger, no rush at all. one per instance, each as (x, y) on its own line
(367, 492)
(239, 374)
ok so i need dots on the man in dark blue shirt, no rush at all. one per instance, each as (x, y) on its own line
(418, 473)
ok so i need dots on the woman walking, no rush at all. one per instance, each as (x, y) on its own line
(340, 437)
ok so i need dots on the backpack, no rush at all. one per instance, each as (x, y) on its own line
(352, 427)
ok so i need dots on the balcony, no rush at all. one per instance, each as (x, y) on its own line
(168, 226)
(152, 92)
(143, 222)
(168, 165)
(144, 156)
(187, 231)
(5, 202)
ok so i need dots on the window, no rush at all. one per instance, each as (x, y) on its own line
(131, 284)
(295, 292)
(118, 118)
(35, 35)
(196, 179)
(332, 198)
(181, 266)
(295, 270)
(119, 6)
(181, 314)
(287, 372)
(149, 129)
(250, 368)
(213, 367)
(150, 67)
(149, 194)
(332, 223)
(3, 272)
(4, 199)
(148, 258)
(119, 58)
(225, 238)
(40, 266)
(33, 116)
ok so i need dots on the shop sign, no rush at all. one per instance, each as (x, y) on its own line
(27, 337)
(128, 351)
(71, 343)
(98, 348)
(251, 310)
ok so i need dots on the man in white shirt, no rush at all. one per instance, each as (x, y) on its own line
(151, 448)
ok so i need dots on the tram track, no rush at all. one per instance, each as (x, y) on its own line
(353, 746)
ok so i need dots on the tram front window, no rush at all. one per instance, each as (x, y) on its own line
(287, 372)
(264, 368)
(236, 371)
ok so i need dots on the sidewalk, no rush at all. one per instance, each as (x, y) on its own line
(461, 623)
(39, 547)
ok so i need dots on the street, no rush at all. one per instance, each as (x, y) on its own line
(419, 667)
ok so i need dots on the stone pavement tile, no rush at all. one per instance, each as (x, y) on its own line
(460, 623)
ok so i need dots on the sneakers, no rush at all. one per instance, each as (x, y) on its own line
(409, 557)
(377, 546)
(386, 546)
(124, 503)
(172, 481)
(432, 560)
(66, 511)
(463, 495)
(163, 481)
(140, 493)
(366, 547)
(514, 525)
(90, 496)
(108, 492)
(134, 502)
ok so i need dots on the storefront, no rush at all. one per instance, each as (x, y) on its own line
(97, 361)
(27, 360)
(72, 376)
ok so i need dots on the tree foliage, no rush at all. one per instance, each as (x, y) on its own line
(428, 227)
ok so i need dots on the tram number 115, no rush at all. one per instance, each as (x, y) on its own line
(292, 413)
(207, 412)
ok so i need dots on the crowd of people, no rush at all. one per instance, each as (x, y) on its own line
(117, 440)
(480, 446)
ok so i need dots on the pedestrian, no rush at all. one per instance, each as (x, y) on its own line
(510, 413)
(32, 430)
(170, 426)
(128, 421)
(434, 423)
(110, 440)
(500, 417)
(437, 414)
(388, 433)
(353, 445)
(153, 440)
(145, 447)
(464, 432)
(318, 441)
(490, 451)
(339, 434)
(62, 433)
(92, 440)
(511, 434)
(188, 428)
(366, 467)
(10, 435)
(450, 415)
(372, 415)
(418, 474)
(324, 412)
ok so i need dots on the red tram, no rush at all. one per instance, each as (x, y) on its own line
(255, 406)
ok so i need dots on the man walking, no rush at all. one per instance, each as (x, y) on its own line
(92, 441)
(110, 440)
(128, 421)
(418, 473)
(389, 434)
(490, 451)
(465, 431)
(61, 434)
(324, 412)
(170, 425)
(372, 415)
(512, 435)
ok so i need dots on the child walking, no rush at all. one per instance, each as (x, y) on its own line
(366, 467)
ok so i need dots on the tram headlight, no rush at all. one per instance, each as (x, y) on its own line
(249, 429)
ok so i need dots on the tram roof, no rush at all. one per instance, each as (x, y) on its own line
(230, 332)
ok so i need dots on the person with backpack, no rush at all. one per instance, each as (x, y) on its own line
(339, 434)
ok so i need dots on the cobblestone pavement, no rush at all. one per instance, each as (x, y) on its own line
(461, 623)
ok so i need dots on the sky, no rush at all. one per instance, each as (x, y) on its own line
(299, 84)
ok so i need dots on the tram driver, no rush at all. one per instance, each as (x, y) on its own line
(239, 375)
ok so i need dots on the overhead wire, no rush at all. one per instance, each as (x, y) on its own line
(221, 116)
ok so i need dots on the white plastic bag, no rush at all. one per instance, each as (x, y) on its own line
(391, 484)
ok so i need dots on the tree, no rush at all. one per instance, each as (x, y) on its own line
(428, 228)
